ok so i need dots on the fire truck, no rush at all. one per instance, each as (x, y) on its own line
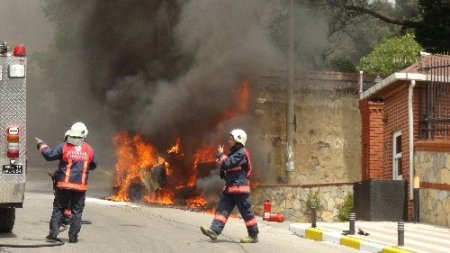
(13, 159)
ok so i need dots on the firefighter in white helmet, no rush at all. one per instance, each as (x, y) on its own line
(235, 169)
(76, 158)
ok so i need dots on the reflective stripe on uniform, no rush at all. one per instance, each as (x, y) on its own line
(221, 218)
(249, 163)
(83, 176)
(250, 222)
(238, 189)
(71, 186)
(68, 169)
(235, 169)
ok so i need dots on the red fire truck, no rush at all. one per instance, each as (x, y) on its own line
(13, 159)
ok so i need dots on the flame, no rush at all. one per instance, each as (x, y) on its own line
(196, 202)
(175, 148)
(136, 158)
(134, 155)
(164, 197)
(240, 103)
(204, 154)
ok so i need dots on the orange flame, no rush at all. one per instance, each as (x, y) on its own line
(175, 148)
(136, 157)
(196, 202)
(241, 103)
(204, 154)
(164, 197)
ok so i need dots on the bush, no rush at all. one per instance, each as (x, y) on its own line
(391, 55)
(345, 208)
(313, 198)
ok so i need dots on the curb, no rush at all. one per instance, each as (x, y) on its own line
(318, 234)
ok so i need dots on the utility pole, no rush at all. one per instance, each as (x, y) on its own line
(290, 117)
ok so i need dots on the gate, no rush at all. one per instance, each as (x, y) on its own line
(434, 98)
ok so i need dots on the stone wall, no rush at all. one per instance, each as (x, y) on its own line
(435, 207)
(433, 169)
(327, 139)
(290, 201)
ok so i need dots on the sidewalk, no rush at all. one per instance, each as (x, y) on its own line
(419, 237)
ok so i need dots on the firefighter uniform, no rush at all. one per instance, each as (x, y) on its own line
(236, 170)
(71, 183)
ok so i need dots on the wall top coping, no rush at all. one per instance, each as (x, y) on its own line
(306, 185)
(392, 79)
(321, 75)
(432, 145)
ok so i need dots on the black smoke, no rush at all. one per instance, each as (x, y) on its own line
(169, 69)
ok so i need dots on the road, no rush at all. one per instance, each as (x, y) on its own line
(127, 227)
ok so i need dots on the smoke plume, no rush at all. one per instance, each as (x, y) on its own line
(168, 69)
(165, 69)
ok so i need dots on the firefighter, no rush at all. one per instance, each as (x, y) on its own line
(235, 169)
(76, 159)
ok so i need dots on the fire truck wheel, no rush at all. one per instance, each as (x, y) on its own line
(7, 218)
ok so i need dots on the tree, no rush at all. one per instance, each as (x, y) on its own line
(391, 55)
(327, 39)
(433, 32)
(429, 20)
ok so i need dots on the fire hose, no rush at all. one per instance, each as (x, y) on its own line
(57, 242)
(53, 244)
(64, 226)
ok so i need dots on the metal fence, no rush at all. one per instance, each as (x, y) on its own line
(434, 98)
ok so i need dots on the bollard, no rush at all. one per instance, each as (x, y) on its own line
(313, 216)
(351, 220)
(401, 233)
(416, 193)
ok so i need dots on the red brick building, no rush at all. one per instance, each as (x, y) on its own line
(405, 113)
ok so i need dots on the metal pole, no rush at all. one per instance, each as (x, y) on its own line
(313, 216)
(290, 98)
(401, 233)
(351, 219)
(361, 82)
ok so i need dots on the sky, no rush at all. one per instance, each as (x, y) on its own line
(23, 21)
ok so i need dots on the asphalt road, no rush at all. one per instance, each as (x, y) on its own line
(127, 227)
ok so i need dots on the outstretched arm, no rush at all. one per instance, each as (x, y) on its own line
(50, 154)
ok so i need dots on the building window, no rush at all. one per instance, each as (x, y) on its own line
(397, 156)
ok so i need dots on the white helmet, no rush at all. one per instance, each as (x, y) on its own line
(78, 130)
(66, 134)
(239, 135)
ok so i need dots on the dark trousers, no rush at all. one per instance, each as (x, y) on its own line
(226, 205)
(63, 199)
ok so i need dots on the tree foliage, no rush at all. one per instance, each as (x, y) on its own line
(392, 55)
(327, 36)
(427, 19)
(433, 32)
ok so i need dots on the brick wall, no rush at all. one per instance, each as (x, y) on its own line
(380, 120)
(372, 153)
(396, 119)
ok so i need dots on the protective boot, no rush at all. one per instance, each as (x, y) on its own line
(209, 232)
(52, 239)
(73, 239)
(249, 239)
